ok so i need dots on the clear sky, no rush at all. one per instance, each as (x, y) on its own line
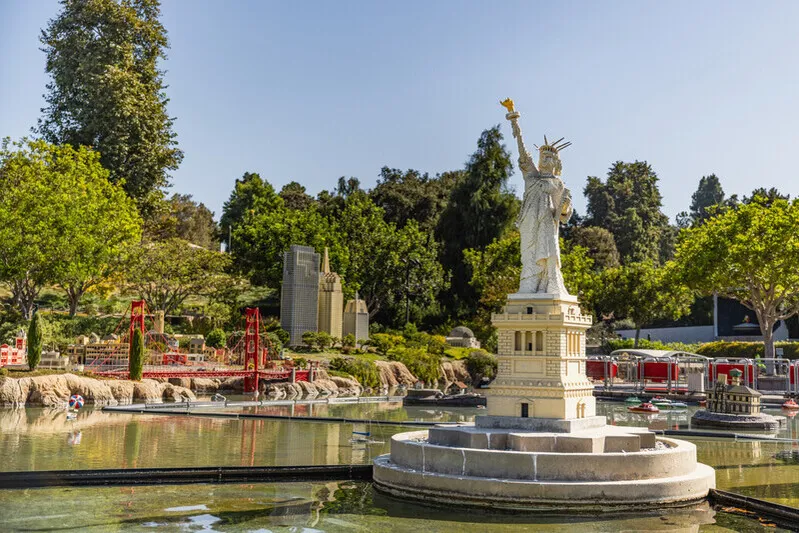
(310, 91)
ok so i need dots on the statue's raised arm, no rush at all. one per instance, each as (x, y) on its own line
(525, 159)
(546, 205)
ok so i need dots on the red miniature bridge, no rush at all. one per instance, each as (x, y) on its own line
(254, 357)
(267, 375)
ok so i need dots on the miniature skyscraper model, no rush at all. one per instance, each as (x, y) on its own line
(356, 319)
(331, 300)
(300, 294)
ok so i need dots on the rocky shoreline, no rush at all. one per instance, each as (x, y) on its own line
(55, 390)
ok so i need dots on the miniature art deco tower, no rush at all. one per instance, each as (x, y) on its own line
(331, 300)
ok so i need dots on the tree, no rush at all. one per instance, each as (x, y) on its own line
(411, 195)
(107, 92)
(765, 196)
(481, 209)
(599, 243)
(136, 360)
(749, 254)
(61, 221)
(250, 193)
(708, 194)
(181, 217)
(628, 204)
(165, 273)
(35, 341)
(309, 338)
(323, 341)
(642, 293)
(216, 338)
(295, 197)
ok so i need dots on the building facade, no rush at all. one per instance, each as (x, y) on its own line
(356, 319)
(331, 300)
(299, 299)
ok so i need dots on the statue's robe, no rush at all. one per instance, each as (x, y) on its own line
(546, 203)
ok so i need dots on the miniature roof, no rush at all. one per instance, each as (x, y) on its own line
(655, 353)
(743, 389)
(461, 331)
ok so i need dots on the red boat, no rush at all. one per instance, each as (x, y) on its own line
(702, 403)
(645, 407)
(791, 405)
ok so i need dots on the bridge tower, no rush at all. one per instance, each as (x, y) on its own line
(252, 348)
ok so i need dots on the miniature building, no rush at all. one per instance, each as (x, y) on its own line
(196, 345)
(733, 399)
(356, 319)
(462, 337)
(331, 300)
(299, 302)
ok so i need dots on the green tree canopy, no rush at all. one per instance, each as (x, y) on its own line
(750, 254)
(412, 195)
(107, 92)
(181, 217)
(250, 193)
(599, 243)
(295, 197)
(165, 273)
(61, 221)
(628, 204)
(642, 293)
(481, 209)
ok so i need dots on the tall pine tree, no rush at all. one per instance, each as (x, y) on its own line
(481, 208)
(107, 92)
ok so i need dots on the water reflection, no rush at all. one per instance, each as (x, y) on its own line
(331, 507)
(39, 439)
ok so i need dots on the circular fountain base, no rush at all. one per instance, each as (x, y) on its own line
(594, 470)
(758, 422)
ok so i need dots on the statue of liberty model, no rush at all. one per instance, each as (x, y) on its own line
(547, 204)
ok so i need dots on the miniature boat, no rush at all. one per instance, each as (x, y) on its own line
(633, 399)
(419, 397)
(702, 403)
(669, 404)
(791, 405)
(645, 407)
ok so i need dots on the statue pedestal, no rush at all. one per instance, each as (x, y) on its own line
(541, 356)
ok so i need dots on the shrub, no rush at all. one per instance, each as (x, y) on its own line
(323, 340)
(437, 345)
(309, 338)
(136, 362)
(422, 364)
(348, 341)
(383, 342)
(750, 350)
(644, 344)
(216, 338)
(364, 371)
(481, 364)
(300, 362)
(457, 353)
(35, 341)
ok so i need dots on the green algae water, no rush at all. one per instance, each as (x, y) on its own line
(40, 439)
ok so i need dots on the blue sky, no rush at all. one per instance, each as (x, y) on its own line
(310, 91)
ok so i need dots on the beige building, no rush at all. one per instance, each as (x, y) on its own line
(331, 300)
(356, 319)
(735, 399)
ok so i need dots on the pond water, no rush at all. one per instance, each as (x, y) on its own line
(39, 439)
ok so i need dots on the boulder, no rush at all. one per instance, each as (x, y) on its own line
(394, 373)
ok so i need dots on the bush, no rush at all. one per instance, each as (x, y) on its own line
(437, 345)
(749, 350)
(323, 341)
(216, 338)
(364, 371)
(300, 362)
(35, 341)
(481, 364)
(136, 362)
(348, 341)
(422, 364)
(309, 338)
(458, 353)
(383, 342)
(643, 344)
